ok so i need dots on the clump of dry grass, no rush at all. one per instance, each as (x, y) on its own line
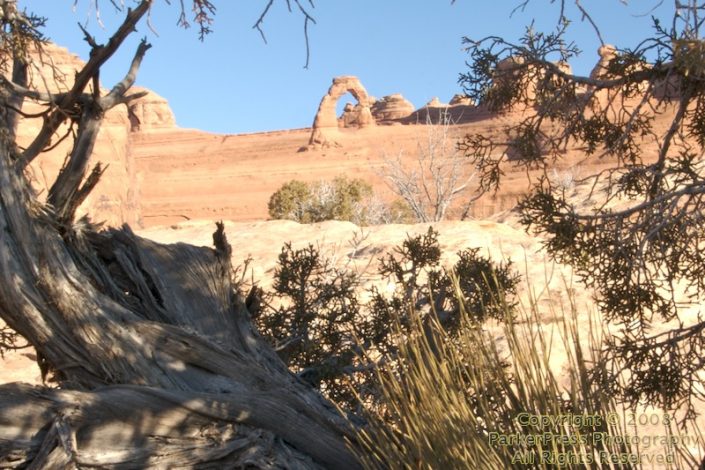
(472, 401)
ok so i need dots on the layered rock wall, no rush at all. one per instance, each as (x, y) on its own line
(392, 107)
(116, 199)
(150, 112)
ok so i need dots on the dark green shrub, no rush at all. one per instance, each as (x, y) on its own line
(341, 199)
(290, 201)
(313, 327)
(321, 329)
(486, 287)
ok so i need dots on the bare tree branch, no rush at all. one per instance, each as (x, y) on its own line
(441, 175)
(304, 12)
(99, 55)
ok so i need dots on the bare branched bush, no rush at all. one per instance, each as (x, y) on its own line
(438, 176)
(340, 199)
(565, 179)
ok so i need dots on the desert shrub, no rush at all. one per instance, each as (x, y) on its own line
(637, 241)
(331, 339)
(290, 201)
(485, 288)
(315, 320)
(340, 199)
(438, 176)
(400, 212)
(440, 394)
(374, 211)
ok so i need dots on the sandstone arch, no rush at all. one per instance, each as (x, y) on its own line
(325, 124)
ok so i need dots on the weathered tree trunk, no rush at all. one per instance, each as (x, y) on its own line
(157, 360)
(159, 344)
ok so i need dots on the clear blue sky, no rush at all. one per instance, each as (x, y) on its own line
(234, 83)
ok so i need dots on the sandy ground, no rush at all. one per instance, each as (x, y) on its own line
(352, 247)
(547, 284)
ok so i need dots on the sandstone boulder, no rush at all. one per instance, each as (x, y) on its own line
(436, 103)
(116, 198)
(392, 107)
(325, 124)
(461, 100)
(150, 112)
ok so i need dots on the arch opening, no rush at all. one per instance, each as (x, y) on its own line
(326, 121)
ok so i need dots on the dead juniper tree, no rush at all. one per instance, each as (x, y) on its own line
(154, 355)
(640, 246)
(436, 177)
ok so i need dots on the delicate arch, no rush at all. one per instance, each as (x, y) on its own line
(326, 122)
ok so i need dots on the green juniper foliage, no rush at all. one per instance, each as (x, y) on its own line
(641, 246)
(421, 282)
(333, 340)
(340, 199)
(312, 329)
(308, 203)
(290, 201)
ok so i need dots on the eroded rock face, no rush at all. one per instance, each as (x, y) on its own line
(325, 124)
(461, 100)
(436, 103)
(116, 198)
(514, 71)
(607, 52)
(150, 112)
(392, 107)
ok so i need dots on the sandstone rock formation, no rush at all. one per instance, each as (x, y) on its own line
(355, 115)
(667, 88)
(150, 112)
(116, 198)
(607, 52)
(513, 71)
(325, 124)
(348, 118)
(392, 107)
(461, 100)
(436, 103)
